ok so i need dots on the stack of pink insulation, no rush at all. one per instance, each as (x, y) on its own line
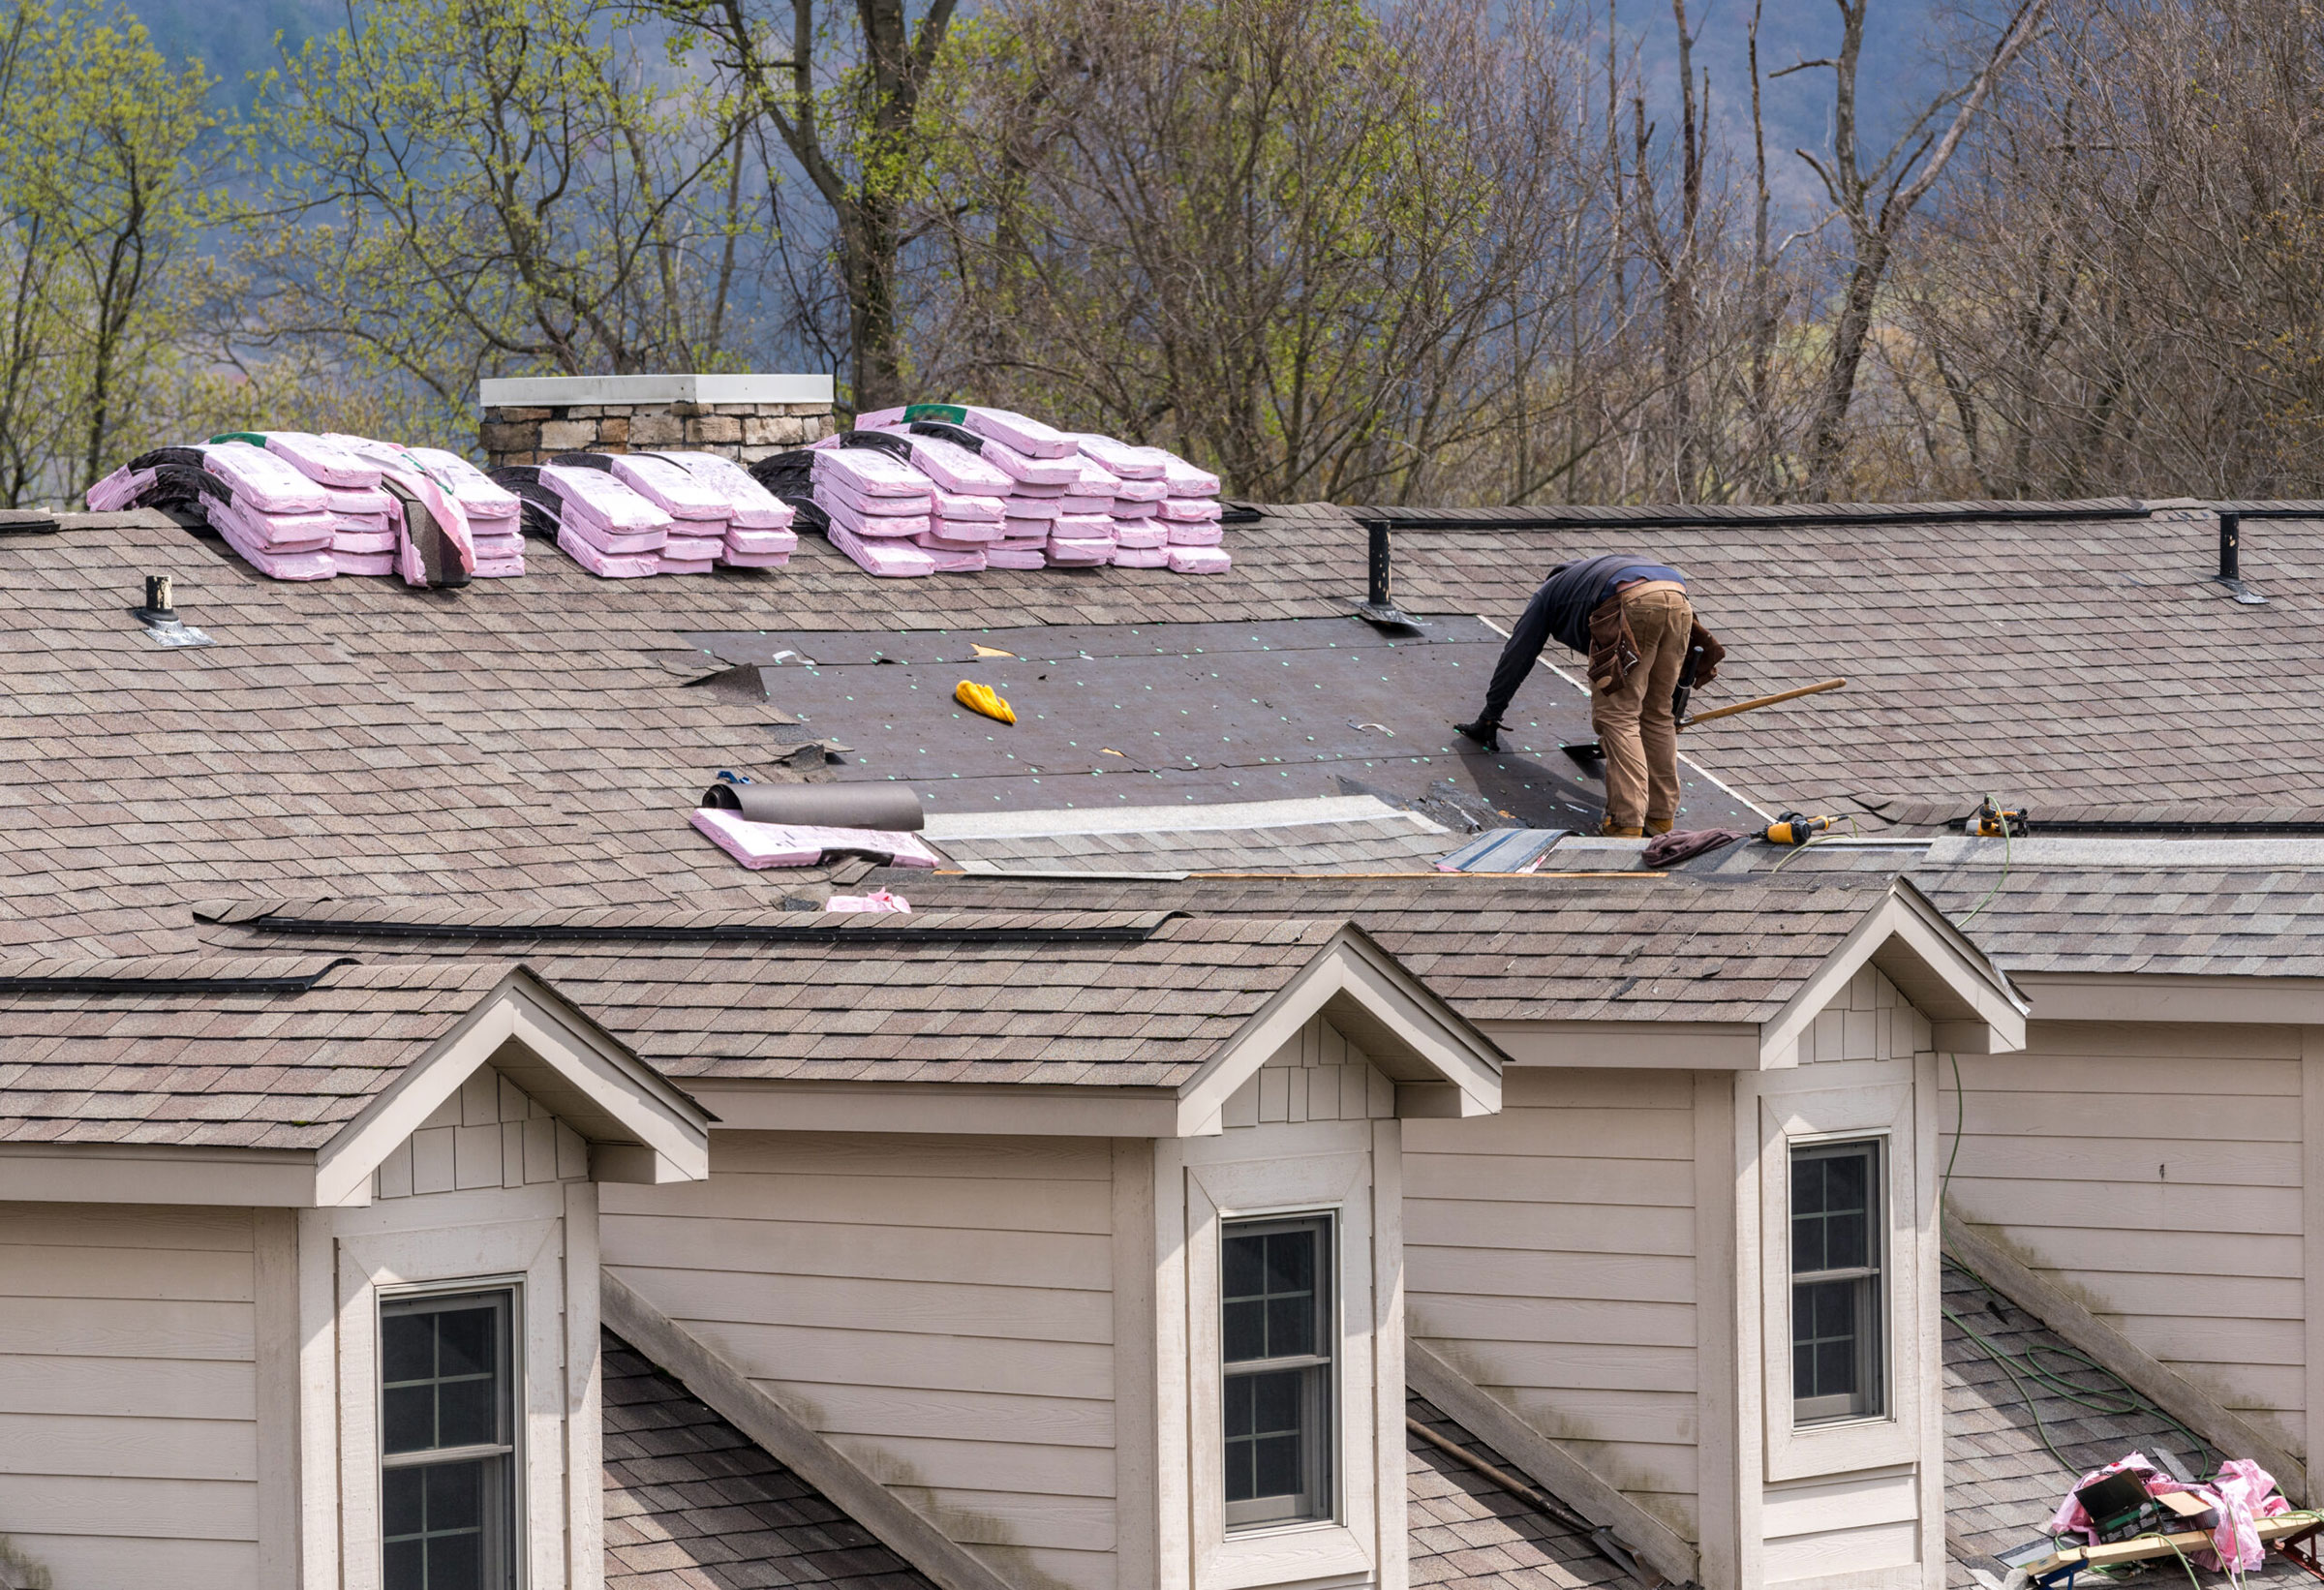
(494, 512)
(278, 519)
(879, 507)
(422, 507)
(1174, 504)
(758, 531)
(607, 527)
(365, 521)
(1030, 496)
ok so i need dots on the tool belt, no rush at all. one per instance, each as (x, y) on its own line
(1614, 649)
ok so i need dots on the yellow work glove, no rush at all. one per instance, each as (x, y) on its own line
(980, 699)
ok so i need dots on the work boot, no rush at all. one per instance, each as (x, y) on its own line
(1611, 831)
(1487, 735)
(1657, 825)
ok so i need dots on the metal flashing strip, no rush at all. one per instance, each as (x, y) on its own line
(1221, 816)
(823, 932)
(85, 983)
(1502, 851)
(1721, 517)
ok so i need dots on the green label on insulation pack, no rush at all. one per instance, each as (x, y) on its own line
(948, 414)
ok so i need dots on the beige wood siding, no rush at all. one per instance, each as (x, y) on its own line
(1318, 1076)
(1856, 1524)
(2154, 1169)
(942, 1308)
(1870, 1021)
(489, 1134)
(1550, 1256)
(128, 1394)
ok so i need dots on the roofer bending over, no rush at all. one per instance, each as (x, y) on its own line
(1633, 619)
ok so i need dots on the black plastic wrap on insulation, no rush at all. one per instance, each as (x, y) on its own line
(539, 514)
(790, 475)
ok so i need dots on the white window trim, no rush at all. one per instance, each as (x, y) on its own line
(514, 1238)
(1338, 1185)
(1803, 1120)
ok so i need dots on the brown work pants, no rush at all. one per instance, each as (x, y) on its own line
(1633, 724)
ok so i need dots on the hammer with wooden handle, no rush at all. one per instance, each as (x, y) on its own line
(1592, 751)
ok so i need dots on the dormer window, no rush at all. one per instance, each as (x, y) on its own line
(1277, 1331)
(447, 1442)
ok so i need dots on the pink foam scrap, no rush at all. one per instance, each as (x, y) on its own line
(1126, 459)
(1185, 480)
(749, 504)
(323, 460)
(881, 419)
(948, 464)
(1075, 502)
(603, 498)
(669, 487)
(880, 526)
(262, 480)
(363, 562)
(1005, 556)
(1198, 560)
(957, 559)
(1183, 534)
(1027, 469)
(597, 560)
(1083, 527)
(1140, 533)
(634, 543)
(693, 549)
(744, 543)
(758, 846)
(872, 507)
(876, 902)
(1140, 557)
(119, 490)
(1027, 437)
(275, 531)
(479, 494)
(886, 558)
(755, 560)
(500, 569)
(955, 505)
(871, 473)
(1189, 510)
(344, 540)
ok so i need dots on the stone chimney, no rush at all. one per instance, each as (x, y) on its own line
(530, 419)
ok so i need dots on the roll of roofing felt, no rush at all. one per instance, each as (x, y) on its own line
(885, 806)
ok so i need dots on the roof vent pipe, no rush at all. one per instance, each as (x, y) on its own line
(2231, 574)
(162, 625)
(1379, 606)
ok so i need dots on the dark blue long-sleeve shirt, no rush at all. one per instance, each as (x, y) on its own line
(1562, 607)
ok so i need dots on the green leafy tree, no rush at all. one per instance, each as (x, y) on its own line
(843, 87)
(491, 186)
(101, 199)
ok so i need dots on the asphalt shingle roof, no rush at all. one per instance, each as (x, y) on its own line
(221, 1070)
(2002, 1483)
(1466, 1533)
(694, 1503)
